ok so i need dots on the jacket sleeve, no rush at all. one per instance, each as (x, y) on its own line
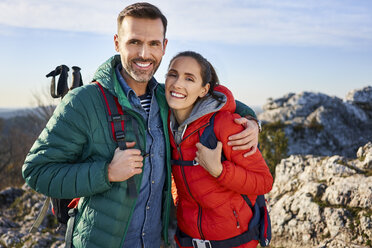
(244, 110)
(58, 164)
(250, 175)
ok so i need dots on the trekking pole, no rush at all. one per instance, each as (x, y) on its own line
(76, 77)
(62, 87)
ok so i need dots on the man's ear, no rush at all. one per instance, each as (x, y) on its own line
(165, 42)
(116, 42)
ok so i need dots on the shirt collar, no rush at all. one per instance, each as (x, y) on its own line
(151, 86)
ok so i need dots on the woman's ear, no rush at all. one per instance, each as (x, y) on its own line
(204, 90)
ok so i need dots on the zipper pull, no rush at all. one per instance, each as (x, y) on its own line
(237, 220)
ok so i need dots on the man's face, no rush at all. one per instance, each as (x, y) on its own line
(141, 45)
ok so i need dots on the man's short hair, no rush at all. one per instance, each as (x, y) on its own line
(142, 10)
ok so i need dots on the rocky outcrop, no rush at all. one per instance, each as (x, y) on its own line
(323, 201)
(19, 209)
(319, 124)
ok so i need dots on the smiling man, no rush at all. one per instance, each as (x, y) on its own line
(75, 155)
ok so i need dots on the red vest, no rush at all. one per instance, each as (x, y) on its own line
(213, 208)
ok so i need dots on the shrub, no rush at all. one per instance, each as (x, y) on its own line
(273, 144)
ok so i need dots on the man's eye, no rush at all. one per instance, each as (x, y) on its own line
(133, 42)
(155, 44)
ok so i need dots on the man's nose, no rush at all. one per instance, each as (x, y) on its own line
(144, 52)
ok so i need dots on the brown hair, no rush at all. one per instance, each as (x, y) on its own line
(208, 73)
(142, 10)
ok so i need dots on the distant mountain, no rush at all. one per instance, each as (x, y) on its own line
(7, 113)
(257, 109)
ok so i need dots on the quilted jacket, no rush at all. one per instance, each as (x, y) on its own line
(71, 155)
(213, 208)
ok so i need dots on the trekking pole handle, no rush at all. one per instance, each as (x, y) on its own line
(76, 77)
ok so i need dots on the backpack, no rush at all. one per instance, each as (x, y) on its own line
(259, 227)
(63, 209)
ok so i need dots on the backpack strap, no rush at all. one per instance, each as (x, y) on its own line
(208, 139)
(41, 216)
(115, 117)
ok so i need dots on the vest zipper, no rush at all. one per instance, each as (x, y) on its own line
(185, 181)
(237, 219)
(188, 189)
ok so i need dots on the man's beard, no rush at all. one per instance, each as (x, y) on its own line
(140, 76)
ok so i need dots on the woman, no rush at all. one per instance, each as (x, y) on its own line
(209, 204)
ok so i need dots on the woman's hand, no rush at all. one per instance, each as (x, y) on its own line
(210, 159)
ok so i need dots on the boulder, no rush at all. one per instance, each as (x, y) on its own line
(322, 202)
(319, 124)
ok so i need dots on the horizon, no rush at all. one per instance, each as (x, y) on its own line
(260, 49)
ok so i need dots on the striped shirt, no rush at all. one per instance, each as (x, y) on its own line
(146, 101)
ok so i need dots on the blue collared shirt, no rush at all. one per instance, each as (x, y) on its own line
(145, 226)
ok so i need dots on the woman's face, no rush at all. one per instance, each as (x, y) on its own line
(183, 84)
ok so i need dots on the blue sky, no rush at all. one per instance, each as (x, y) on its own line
(260, 48)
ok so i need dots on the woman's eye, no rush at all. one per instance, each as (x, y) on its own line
(171, 75)
(190, 79)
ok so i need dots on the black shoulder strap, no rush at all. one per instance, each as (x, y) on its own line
(115, 117)
(208, 139)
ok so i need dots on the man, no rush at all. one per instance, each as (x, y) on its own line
(76, 157)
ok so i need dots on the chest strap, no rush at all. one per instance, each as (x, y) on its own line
(187, 241)
(184, 162)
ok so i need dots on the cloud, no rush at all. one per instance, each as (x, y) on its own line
(307, 22)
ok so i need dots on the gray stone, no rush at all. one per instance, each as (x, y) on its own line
(322, 125)
(321, 202)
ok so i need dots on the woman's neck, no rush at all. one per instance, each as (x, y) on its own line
(181, 115)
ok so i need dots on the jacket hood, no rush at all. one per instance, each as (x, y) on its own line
(230, 104)
(105, 74)
(209, 105)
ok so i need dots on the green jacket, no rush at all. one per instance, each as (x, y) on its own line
(71, 155)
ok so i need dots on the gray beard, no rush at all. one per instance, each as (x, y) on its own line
(139, 77)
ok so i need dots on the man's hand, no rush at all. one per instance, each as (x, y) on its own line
(246, 139)
(210, 159)
(125, 164)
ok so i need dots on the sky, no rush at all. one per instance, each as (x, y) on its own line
(260, 48)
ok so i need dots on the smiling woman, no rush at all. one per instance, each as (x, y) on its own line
(184, 85)
(210, 207)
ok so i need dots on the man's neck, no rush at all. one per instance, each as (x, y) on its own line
(138, 87)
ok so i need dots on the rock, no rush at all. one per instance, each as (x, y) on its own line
(322, 125)
(361, 97)
(8, 195)
(364, 156)
(16, 221)
(321, 202)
